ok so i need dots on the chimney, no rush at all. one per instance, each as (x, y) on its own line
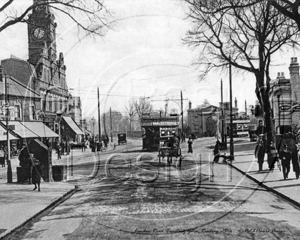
(294, 66)
(280, 75)
(190, 105)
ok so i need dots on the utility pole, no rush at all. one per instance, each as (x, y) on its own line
(99, 120)
(111, 135)
(222, 116)
(104, 124)
(9, 170)
(231, 123)
(181, 101)
(166, 107)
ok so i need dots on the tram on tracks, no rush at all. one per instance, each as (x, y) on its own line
(160, 134)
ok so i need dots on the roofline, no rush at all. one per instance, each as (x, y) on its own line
(23, 85)
(30, 66)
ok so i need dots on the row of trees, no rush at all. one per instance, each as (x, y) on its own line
(245, 34)
(135, 110)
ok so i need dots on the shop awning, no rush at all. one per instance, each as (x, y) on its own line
(73, 125)
(40, 129)
(21, 130)
(3, 136)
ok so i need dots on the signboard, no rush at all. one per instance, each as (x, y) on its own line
(145, 124)
(11, 127)
(285, 107)
(296, 108)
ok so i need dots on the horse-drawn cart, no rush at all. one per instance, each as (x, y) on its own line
(169, 153)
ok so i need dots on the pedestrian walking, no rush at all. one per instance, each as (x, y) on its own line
(87, 143)
(259, 153)
(285, 156)
(190, 145)
(272, 156)
(105, 141)
(2, 156)
(295, 163)
(216, 151)
(92, 145)
(36, 172)
(58, 150)
(67, 147)
(62, 148)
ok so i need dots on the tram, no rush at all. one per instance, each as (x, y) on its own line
(156, 129)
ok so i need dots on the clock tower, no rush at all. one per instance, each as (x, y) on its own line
(41, 34)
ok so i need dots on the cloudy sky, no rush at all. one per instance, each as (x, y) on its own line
(141, 56)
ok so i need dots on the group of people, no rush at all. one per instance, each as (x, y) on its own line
(96, 145)
(287, 154)
(62, 148)
(174, 142)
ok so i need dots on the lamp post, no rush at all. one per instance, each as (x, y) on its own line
(278, 94)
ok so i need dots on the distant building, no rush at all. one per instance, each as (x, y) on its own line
(76, 111)
(285, 99)
(203, 120)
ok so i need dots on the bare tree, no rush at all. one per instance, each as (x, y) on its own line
(142, 106)
(289, 8)
(89, 16)
(131, 112)
(244, 34)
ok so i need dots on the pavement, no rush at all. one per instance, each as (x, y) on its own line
(19, 203)
(289, 189)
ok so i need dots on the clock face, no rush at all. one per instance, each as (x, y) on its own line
(39, 33)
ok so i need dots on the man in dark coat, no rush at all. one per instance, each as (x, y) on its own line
(272, 156)
(285, 157)
(217, 151)
(190, 145)
(36, 172)
(259, 153)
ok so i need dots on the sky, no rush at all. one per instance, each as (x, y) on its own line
(143, 55)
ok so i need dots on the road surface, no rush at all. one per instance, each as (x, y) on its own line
(133, 197)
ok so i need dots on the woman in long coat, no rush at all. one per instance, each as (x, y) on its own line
(36, 173)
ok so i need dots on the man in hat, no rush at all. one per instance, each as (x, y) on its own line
(36, 172)
(285, 155)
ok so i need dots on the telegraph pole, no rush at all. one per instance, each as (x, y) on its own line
(104, 124)
(99, 120)
(111, 135)
(222, 116)
(231, 123)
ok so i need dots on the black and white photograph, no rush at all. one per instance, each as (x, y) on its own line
(149, 119)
